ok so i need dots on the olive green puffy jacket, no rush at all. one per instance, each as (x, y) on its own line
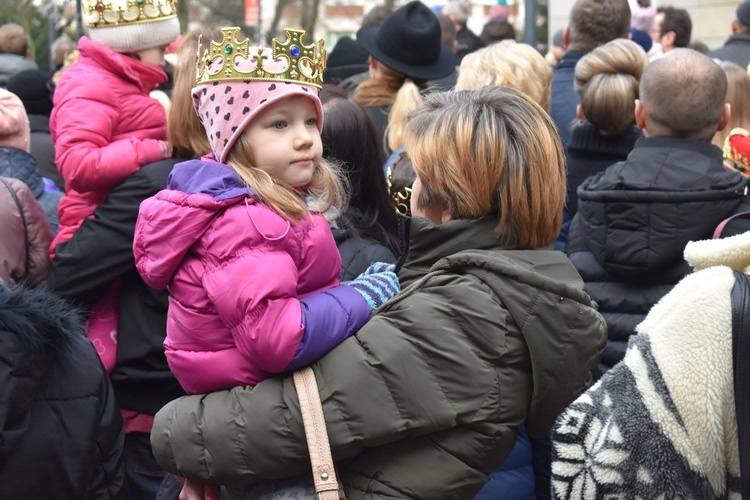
(424, 402)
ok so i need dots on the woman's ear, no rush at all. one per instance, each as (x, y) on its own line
(579, 113)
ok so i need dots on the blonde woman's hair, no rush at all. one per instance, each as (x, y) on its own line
(184, 129)
(407, 99)
(490, 153)
(326, 188)
(738, 97)
(392, 89)
(607, 79)
(508, 64)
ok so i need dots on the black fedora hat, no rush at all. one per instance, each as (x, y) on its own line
(408, 42)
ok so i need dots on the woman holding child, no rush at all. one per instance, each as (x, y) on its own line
(482, 301)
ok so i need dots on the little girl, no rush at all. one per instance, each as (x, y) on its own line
(105, 125)
(253, 273)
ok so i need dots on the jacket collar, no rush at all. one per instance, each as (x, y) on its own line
(141, 75)
(570, 59)
(428, 242)
(703, 147)
(738, 37)
(207, 176)
(586, 137)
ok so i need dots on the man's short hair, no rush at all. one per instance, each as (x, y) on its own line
(683, 94)
(595, 22)
(13, 40)
(677, 21)
(61, 47)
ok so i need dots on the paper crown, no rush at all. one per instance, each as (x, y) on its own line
(98, 14)
(737, 151)
(289, 61)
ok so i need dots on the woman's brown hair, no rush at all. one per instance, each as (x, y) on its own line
(184, 129)
(490, 153)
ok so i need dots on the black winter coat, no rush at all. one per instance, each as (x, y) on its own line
(61, 434)
(43, 149)
(589, 152)
(634, 220)
(101, 252)
(357, 253)
(736, 49)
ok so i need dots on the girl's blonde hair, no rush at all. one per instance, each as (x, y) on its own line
(507, 64)
(607, 79)
(738, 96)
(392, 89)
(326, 187)
(490, 153)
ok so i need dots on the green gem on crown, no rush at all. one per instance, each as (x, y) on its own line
(228, 49)
(140, 4)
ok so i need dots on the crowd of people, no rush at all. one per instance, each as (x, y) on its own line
(486, 255)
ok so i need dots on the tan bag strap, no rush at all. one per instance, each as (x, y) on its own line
(327, 485)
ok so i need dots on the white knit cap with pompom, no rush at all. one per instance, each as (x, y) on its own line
(125, 38)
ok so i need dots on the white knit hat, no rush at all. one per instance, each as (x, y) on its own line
(134, 33)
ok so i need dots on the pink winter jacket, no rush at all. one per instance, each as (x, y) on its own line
(105, 127)
(250, 295)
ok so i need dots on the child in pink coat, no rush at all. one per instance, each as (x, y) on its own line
(105, 127)
(239, 238)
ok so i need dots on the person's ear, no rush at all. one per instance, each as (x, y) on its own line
(726, 114)
(579, 113)
(735, 26)
(640, 115)
(373, 67)
(670, 37)
(446, 217)
(566, 37)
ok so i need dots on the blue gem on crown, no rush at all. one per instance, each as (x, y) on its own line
(294, 50)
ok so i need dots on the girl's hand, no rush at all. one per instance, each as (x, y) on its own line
(198, 491)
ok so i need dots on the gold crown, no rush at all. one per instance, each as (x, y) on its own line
(305, 63)
(98, 14)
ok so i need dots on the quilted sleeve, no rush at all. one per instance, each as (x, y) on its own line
(396, 379)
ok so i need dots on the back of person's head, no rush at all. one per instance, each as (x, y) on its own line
(61, 47)
(497, 30)
(596, 22)
(492, 152)
(14, 123)
(509, 64)
(742, 17)
(676, 21)
(607, 79)
(375, 16)
(458, 10)
(699, 46)
(35, 89)
(13, 40)
(349, 139)
(682, 95)
(738, 97)
(184, 129)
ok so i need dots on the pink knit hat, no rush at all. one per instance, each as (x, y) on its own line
(14, 124)
(227, 108)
